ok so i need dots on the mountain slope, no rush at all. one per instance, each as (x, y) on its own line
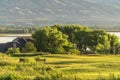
(59, 11)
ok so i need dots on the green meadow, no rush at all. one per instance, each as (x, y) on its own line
(60, 67)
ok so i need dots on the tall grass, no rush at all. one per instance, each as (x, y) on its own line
(60, 67)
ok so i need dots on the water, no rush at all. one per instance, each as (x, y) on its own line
(6, 39)
(11, 37)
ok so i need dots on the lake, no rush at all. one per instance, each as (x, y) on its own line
(4, 38)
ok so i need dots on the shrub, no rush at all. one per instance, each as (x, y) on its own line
(29, 48)
(13, 50)
(4, 63)
(27, 54)
(23, 60)
(60, 50)
(12, 76)
(40, 77)
(74, 51)
(37, 57)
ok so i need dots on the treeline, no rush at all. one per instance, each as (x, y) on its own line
(32, 29)
(75, 39)
(17, 30)
(108, 28)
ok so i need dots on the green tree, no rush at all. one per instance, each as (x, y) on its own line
(41, 39)
(77, 34)
(70, 30)
(100, 43)
(29, 48)
(114, 44)
(50, 40)
(82, 38)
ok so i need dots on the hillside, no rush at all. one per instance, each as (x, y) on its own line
(59, 11)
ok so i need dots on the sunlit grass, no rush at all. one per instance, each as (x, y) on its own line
(66, 67)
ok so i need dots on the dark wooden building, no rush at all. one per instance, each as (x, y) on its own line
(18, 42)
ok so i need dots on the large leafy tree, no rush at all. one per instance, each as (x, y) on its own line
(77, 35)
(100, 41)
(114, 44)
(82, 40)
(51, 40)
(41, 39)
(70, 30)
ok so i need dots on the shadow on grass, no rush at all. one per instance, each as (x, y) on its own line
(74, 62)
(57, 56)
(82, 70)
(26, 54)
(4, 63)
(108, 66)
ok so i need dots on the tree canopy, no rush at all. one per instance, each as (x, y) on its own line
(64, 38)
(51, 40)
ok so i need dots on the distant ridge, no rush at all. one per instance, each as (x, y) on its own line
(23, 12)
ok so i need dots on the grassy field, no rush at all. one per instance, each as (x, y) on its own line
(61, 67)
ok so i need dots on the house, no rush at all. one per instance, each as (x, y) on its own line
(17, 42)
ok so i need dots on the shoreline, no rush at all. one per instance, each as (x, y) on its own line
(14, 35)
